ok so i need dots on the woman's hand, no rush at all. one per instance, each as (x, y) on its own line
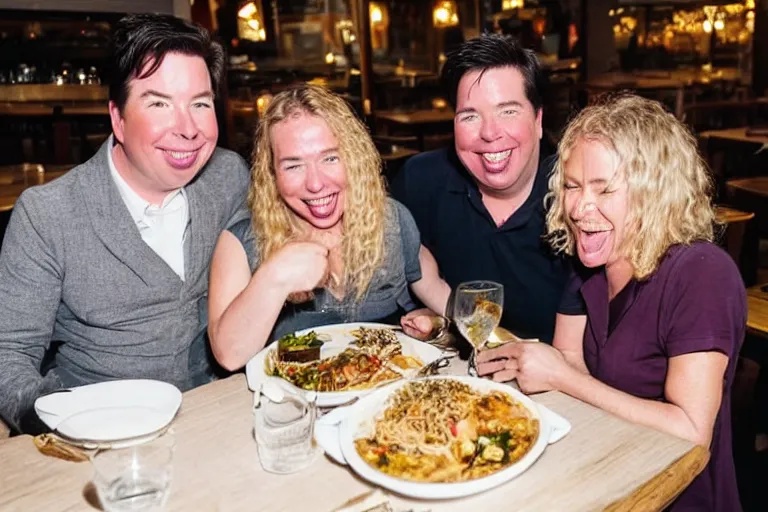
(536, 366)
(421, 324)
(299, 266)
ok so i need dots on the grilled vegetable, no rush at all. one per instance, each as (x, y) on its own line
(300, 349)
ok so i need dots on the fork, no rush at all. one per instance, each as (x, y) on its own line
(433, 367)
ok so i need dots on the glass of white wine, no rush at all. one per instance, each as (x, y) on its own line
(477, 309)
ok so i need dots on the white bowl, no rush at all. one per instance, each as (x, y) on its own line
(357, 422)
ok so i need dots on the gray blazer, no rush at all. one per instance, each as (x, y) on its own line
(74, 270)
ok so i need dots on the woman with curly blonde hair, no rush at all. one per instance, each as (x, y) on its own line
(324, 245)
(666, 308)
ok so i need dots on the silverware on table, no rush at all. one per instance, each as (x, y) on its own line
(435, 366)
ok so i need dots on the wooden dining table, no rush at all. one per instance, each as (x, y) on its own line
(739, 135)
(604, 463)
(15, 179)
(676, 80)
(416, 122)
(757, 310)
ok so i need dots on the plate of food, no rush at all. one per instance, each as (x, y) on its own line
(440, 437)
(340, 362)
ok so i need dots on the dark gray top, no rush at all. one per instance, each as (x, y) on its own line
(387, 297)
(75, 271)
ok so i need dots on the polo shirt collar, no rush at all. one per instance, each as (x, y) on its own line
(137, 206)
(460, 181)
(594, 291)
(464, 183)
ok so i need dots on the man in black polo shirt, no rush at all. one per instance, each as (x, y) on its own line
(480, 205)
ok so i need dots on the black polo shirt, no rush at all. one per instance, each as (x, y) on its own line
(458, 229)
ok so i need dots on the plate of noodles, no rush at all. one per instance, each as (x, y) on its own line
(441, 437)
(340, 362)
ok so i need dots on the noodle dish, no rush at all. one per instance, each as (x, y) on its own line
(443, 437)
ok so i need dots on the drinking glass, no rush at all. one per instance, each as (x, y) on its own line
(136, 477)
(477, 311)
(284, 433)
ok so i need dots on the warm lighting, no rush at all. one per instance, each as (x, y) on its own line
(262, 102)
(446, 14)
(379, 26)
(329, 58)
(611, 13)
(247, 10)
(707, 26)
(629, 22)
(719, 25)
(250, 22)
(439, 103)
(749, 4)
(512, 4)
(376, 15)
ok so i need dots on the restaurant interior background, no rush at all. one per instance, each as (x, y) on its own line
(707, 61)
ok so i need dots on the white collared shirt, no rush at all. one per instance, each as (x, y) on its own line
(162, 227)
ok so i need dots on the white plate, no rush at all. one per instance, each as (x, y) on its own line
(112, 411)
(340, 339)
(337, 431)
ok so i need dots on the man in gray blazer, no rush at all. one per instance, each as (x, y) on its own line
(104, 271)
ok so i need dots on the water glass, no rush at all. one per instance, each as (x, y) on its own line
(284, 432)
(136, 477)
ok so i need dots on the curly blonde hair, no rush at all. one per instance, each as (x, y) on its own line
(275, 224)
(669, 184)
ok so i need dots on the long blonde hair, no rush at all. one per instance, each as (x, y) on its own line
(669, 184)
(363, 223)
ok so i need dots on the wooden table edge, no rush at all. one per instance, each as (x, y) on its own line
(658, 492)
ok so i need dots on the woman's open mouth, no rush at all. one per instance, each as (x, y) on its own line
(322, 207)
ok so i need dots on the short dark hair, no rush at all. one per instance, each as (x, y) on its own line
(140, 38)
(493, 51)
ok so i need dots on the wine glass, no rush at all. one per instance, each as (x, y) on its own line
(477, 311)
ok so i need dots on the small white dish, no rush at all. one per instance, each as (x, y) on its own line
(340, 338)
(110, 413)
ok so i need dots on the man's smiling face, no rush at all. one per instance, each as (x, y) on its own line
(497, 129)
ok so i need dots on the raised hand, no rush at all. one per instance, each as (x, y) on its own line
(299, 266)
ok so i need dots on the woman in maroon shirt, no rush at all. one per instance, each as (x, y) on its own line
(666, 309)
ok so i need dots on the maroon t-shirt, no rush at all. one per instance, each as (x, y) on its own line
(694, 302)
